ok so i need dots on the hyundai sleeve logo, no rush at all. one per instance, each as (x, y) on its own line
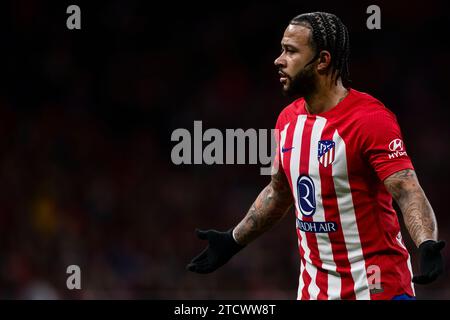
(396, 145)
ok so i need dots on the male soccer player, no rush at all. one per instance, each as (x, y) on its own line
(341, 159)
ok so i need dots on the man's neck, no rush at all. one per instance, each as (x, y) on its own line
(325, 99)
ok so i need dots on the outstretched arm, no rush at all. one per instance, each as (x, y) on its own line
(269, 207)
(420, 221)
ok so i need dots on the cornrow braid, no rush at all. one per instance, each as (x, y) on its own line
(328, 33)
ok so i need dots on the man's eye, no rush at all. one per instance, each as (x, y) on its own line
(287, 50)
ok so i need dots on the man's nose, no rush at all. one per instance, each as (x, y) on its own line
(279, 61)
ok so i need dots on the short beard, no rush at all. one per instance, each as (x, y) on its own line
(303, 84)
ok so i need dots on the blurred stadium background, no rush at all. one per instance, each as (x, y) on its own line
(86, 119)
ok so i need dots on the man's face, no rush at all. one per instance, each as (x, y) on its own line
(295, 76)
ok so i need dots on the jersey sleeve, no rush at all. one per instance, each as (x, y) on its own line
(382, 143)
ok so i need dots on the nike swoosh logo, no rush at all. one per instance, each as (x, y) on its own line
(286, 149)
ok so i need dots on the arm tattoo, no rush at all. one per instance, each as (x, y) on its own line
(417, 211)
(269, 207)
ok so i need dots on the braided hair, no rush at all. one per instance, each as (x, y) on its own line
(328, 33)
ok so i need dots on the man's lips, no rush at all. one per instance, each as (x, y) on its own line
(283, 77)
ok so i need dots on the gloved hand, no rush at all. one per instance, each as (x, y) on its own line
(221, 247)
(431, 264)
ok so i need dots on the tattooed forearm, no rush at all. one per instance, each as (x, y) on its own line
(417, 211)
(269, 207)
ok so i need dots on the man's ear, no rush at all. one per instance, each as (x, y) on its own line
(324, 61)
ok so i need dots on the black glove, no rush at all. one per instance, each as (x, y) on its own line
(431, 264)
(221, 247)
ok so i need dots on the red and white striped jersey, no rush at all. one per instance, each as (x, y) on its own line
(349, 236)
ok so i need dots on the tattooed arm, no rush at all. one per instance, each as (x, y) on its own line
(417, 212)
(269, 207)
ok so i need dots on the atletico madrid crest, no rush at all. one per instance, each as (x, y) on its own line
(326, 152)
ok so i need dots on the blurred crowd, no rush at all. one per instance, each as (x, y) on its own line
(85, 124)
